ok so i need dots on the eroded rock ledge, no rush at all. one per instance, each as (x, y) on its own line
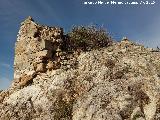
(119, 82)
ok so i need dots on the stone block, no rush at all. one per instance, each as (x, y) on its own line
(50, 65)
(46, 44)
(40, 67)
(44, 53)
(25, 79)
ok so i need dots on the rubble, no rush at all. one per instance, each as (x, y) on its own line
(118, 82)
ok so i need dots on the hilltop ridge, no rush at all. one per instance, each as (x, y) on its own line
(111, 81)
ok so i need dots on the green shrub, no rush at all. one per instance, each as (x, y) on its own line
(87, 38)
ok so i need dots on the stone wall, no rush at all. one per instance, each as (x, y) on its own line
(36, 48)
(118, 82)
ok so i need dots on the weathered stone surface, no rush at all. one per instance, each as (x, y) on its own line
(40, 67)
(44, 53)
(25, 79)
(120, 82)
(34, 44)
(51, 65)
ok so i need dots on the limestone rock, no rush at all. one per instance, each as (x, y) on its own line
(120, 82)
(137, 114)
(35, 43)
(25, 79)
(40, 67)
(44, 53)
(50, 65)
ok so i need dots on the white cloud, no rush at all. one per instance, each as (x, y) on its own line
(5, 65)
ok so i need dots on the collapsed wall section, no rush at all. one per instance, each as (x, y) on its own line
(36, 47)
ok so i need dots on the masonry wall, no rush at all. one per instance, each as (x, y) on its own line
(35, 47)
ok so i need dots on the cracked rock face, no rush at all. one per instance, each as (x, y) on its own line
(119, 82)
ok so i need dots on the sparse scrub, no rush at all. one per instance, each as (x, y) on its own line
(87, 38)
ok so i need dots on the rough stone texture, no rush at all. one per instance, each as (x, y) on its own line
(120, 82)
(35, 45)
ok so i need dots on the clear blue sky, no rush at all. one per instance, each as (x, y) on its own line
(140, 23)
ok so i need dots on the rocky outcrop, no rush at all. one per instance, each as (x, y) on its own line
(119, 82)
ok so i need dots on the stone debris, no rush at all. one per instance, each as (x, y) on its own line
(40, 67)
(119, 82)
(25, 79)
(51, 65)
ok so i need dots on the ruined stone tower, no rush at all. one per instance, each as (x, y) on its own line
(117, 82)
(35, 47)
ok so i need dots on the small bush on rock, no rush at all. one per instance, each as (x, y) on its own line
(87, 38)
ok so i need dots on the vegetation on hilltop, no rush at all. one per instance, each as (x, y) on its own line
(86, 38)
